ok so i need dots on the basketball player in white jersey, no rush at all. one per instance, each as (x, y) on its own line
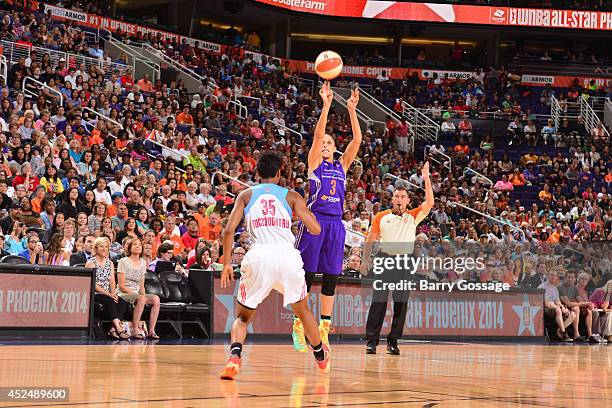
(272, 262)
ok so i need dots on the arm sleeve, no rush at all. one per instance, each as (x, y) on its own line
(375, 229)
(417, 214)
(121, 265)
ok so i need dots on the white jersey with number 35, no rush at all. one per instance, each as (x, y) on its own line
(268, 215)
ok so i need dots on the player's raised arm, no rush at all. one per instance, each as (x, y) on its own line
(314, 154)
(429, 195)
(353, 148)
(298, 205)
(227, 236)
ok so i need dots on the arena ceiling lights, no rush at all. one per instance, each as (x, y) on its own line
(338, 38)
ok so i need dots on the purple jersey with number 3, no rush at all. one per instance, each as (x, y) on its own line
(327, 183)
(323, 253)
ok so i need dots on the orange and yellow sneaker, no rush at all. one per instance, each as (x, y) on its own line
(324, 364)
(299, 339)
(232, 368)
(324, 328)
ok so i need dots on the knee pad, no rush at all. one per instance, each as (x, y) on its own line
(309, 278)
(328, 288)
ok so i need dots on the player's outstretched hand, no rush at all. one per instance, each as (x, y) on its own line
(326, 94)
(352, 102)
(425, 171)
(227, 276)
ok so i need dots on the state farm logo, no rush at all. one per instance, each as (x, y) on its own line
(330, 199)
(498, 16)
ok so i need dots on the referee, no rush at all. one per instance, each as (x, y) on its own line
(396, 230)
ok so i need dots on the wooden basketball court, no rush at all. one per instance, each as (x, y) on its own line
(425, 375)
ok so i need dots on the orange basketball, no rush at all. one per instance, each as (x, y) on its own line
(328, 65)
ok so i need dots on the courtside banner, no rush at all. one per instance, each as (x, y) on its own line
(353, 71)
(43, 301)
(451, 13)
(430, 313)
(112, 25)
(538, 79)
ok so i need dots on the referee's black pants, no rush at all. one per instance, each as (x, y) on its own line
(378, 310)
(376, 318)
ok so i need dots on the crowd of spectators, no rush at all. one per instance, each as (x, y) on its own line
(67, 177)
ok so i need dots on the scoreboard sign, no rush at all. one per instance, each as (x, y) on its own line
(451, 13)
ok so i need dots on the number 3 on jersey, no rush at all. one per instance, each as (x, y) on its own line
(268, 207)
(332, 190)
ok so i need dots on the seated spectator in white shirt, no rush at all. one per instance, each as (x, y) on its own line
(448, 127)
(553, 308)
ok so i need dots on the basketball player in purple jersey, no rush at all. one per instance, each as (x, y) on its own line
(324, 253)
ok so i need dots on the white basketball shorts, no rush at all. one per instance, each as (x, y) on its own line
(267, 267)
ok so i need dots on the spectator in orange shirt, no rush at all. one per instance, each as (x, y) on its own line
(608, 177)
(111, 210)
(184, 118)
(145, 84)
(39, 196)
(122, 140)
(211, 229)
(517, 178)
(462, 147)
(200, 217)
(545, 194)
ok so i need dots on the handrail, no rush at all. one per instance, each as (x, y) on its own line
(54, 55)
(72, 60)
(479, 175)
(360, 114)
(52, 90)
(352, 231)
(379, 104)
(254, 99)
(176, 64)
(283, 127)
(212, 179)
(591, 120)
(306, 80)
(428, 149)
(394, 177)
(241, 110)
(155, 142)
(87, 108)
(502, 221)
(495, 115)
(4, 69)
(427, 118)
(136, 56)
